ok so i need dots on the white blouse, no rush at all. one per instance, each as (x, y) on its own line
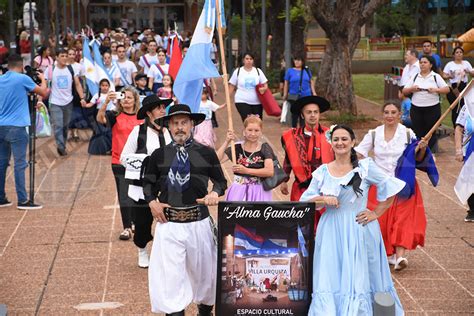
(425, 98)
(386, 154)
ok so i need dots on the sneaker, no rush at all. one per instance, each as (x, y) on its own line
(28, 205)
(143, 259)
(5, 203)
(126, 234)
(392, 260)
(469, 217)
(62, 152)
(401, 264)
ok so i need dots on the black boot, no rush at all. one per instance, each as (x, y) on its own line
(205, 310)
(181, 313)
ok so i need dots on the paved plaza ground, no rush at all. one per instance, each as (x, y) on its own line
(68, 254)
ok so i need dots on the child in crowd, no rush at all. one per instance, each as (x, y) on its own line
(101, 140)
(204, 133)
(166, 92)
(405, 107)
(141, 81)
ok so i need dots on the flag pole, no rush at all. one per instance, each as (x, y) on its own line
(225, 78)
(451, 107)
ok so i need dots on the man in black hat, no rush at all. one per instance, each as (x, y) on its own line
(141, 84)
(183, 257)
(306, 148)
(142, 142)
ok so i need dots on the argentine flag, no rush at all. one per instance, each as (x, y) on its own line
(197, 64)
(101, 71)
(90, 73)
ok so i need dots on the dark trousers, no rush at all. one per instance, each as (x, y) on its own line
(248, 109)
(423, 119)
(451, 97)
(470, 203)
(143, 220)
(126, 203)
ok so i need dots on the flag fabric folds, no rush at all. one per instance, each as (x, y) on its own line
(102, 72)
(176, 58)
(90, 73)
(247, 239)
(197, 64)
(302, 242)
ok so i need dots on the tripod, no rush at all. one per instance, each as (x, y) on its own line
(32, 98)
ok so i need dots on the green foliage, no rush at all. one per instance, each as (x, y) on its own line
(347, 118)
(297, 11)
(398, 18)
(273, 76)
(237, 25)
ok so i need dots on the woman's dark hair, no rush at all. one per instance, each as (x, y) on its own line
(395, 103)
(299, 57)
(356, 180)
(458, 48)
(100, 83)
(247, 54)
(171, 79)
(42, 49)
(432, 61)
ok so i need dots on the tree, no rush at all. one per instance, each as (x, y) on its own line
(342, 21)
(398, 18)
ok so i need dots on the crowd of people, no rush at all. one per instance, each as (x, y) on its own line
(163, 156)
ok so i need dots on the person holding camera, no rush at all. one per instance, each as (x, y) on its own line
(63, 81)
(14, 118)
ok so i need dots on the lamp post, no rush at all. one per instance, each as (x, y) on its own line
(56, 22)
(263, 63)
(72, 15)
(244, 29)
(11, 23)
(32, 35)
(79, 21)
(64, 17)
(287, 35)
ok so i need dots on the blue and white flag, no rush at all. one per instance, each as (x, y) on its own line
(101, 71)
(197, 64)
(90, 73)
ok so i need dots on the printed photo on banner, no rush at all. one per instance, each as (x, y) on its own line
(265, 261)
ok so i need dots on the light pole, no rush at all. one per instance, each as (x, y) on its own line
(263, 63)
(56, 22)
(12, 43)
(32, 35)
(79, 22)
(287, 35)
(72, 15)
(46, 24)
(244, 29)
(64, 17)
(438, 15)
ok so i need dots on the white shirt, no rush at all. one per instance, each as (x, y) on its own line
(466, 120)
(425, 98)
(207, 108)
(386, 154)
(458, 70)
(245, 83)
(113, 72)
(127, 68)
(99, 101)
(78, 69)
(409, 72)
(61, 86)
(151, 61)
(156, 74)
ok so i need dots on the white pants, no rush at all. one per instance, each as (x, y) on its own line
(183, 266)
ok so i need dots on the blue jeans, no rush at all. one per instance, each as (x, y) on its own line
(14, 140)
(60, 118)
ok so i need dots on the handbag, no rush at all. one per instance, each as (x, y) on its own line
(270, 105)
(279, 175)
(43, 124)
(293, 97)
(285, 108)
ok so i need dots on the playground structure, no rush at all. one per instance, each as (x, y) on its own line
(393, 48)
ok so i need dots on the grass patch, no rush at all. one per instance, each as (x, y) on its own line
(371, 87)
(347, 118)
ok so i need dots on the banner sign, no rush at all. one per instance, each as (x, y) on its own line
(265, 253)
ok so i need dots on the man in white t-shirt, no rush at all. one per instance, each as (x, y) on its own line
(411, 68)
(127, 69)
(111, 69)
(60, 99)
(156, 73)
(149, 59)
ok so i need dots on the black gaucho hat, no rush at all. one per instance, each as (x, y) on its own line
(321, 102)
(149, 103)
(181, 109)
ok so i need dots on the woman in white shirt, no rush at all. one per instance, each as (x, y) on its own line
(426, 88)
(141, 142)
(244, 80)
(403, 225)
(456, 71)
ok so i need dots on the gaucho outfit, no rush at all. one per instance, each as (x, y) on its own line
(184, 255)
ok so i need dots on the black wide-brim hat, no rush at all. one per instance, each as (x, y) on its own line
(321, 102)
(181, 109)
(149, 103)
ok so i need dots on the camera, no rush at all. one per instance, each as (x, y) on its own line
(33, 74)
(120, 95)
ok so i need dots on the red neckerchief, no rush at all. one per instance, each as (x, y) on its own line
(314, 143)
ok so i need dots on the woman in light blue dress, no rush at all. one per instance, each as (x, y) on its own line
(350, 263)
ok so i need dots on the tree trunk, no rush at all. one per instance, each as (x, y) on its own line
(342, 21)
(276, 29)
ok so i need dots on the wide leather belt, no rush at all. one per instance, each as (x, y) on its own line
(186, 214)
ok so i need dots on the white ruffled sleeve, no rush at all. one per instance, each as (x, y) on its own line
(314, 188)
(365, 146)
(387, 186)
